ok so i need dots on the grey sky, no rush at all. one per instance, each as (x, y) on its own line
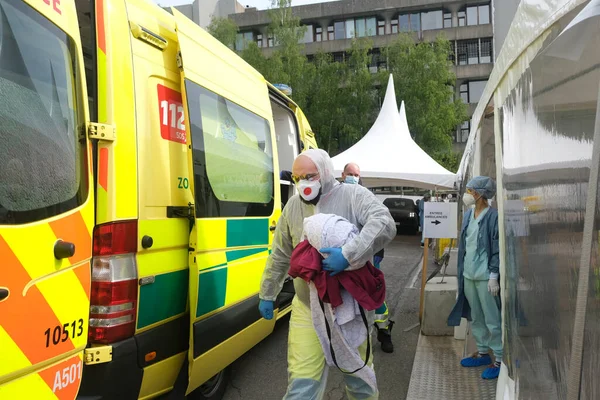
(260, 4)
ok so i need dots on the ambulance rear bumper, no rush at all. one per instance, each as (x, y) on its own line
(120, 378)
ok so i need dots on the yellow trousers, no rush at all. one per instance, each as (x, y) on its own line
(307, 369)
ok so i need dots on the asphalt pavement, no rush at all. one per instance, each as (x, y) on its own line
(261, 374)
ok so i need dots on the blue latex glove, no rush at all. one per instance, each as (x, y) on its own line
(377, 260)
(266, 309)
(336, 262)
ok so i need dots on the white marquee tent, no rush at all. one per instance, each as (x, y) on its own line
(388, 156)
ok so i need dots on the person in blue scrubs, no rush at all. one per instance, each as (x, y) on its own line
(478, 274)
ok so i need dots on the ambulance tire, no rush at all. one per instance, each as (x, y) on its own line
(213, 389)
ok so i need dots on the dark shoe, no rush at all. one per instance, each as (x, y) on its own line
(385, 338)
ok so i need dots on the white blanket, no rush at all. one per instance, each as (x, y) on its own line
(348, 330)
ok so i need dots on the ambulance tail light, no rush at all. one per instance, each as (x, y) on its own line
(114, 282)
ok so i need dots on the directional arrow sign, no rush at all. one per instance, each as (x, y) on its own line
(440, 220)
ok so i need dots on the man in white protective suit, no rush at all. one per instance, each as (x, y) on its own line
(320, 192)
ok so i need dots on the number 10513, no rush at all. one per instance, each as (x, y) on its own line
(62, 333)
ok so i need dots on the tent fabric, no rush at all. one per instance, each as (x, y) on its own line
(388, 156)
(524, 38)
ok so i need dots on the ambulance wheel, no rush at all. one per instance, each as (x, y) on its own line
(213, 389)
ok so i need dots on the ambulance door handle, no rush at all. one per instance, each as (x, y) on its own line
(4, 292)
(63, 249)
(272, 228)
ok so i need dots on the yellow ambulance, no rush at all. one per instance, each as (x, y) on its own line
(139, 190)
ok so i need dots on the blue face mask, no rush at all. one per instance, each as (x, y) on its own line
(353, 180)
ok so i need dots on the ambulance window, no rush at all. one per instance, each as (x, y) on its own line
(42, 162)
(233, 157)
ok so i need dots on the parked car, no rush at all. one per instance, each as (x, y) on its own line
(404, 211)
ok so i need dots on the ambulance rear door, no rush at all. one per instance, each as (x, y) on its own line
(46, 201)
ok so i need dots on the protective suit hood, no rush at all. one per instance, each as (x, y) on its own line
(325, 168)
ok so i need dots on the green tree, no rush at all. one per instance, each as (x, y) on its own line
(288, 33)
(424, 81)
(224, 30)
(448, 159)
(360, 93)
(325, 106)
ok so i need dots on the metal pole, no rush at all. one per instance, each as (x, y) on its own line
(423, 279)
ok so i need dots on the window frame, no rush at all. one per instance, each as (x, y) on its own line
(462, 19)
(464, 92)
(207, 204)
(445, 19)
(381, 30)
(74, 84)
(440, 21)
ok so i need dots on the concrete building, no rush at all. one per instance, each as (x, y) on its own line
(468, 24)
(202, 11)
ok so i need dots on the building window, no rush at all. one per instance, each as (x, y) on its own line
(472, 16)
(473, 51)
(452, 54)
(259, 41)
(486, 51)
(349, 29)
(338, 57)
(404, 23)
(371, 26)
(476, 90)
(447, 20)
(462, 18)
(395, 26)
(340, 32)
(318, 34)
(464, 92)
(270, 41)
(463, 135)
(461, 52)
(432, 20)
(484, 15)
(478, 15)
(415, 22)
(330, 33)
(381, 28)
(308, 35)
(361, 27)
(242, 39)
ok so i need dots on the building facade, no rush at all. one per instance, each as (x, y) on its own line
(202, 11)
(331, 26)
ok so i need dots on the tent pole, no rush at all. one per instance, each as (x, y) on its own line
(423, 279)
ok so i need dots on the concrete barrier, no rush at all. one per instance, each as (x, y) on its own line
(439, 301)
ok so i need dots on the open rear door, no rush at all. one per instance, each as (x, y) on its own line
(232, 173)
(46, 201)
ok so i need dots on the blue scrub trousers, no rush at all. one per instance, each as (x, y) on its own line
(486, 319)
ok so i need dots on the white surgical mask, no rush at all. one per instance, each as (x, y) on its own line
(353, 180)
(308, 190)
(468, 200)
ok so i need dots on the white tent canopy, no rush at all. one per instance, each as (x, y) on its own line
(388, 156)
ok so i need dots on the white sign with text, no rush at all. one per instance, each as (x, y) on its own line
(440, 220)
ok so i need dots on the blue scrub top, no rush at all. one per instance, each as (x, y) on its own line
(476, 260)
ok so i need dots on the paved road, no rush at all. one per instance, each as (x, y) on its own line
(261, 374)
